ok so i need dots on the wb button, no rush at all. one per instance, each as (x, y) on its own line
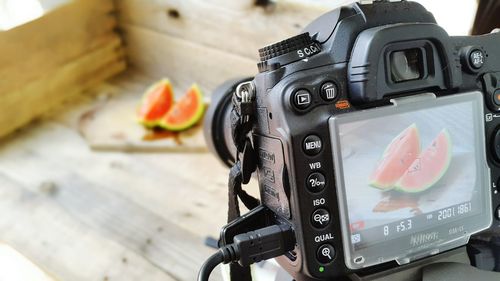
(312, 145)
(302, 99)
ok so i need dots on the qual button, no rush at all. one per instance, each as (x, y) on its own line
(325, 253)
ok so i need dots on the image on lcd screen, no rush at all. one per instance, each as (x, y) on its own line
(408, 165)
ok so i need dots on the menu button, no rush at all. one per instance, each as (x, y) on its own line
(312, 145)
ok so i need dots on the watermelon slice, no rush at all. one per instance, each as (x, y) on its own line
(397, 157)
(186, 112)
(156, 102)
(430, 167)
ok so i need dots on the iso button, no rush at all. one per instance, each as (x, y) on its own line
(312, 145)
(320, 218)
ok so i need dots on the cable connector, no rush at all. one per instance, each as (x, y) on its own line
(258, 245)
(252, 247)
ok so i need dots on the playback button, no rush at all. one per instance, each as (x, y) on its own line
(302, 99)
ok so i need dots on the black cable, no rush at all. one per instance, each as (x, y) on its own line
(252, 247)
(209, 265)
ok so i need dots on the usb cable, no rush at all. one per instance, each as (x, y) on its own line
(251, 247)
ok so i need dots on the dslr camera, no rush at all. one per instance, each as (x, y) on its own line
(376, 137)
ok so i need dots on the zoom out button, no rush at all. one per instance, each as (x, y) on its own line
(320, 218)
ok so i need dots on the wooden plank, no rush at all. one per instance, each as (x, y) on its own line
(92, 194)
(238, 27)
(20, 106)
(65, 248)
(183, 188)
(183, 62)
(29, 51)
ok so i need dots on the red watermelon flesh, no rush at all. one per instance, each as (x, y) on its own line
(429, 167)
(186, 112)
(157, 101)
(398, 156)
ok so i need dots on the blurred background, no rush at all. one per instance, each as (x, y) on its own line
(86, 191)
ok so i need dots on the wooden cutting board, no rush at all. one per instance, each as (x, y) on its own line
(111, 125)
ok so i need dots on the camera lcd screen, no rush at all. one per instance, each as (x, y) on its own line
(410, 176)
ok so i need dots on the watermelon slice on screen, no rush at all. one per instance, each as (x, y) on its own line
(186, 112)
(156, 102)
(429, 167)
(397, 158)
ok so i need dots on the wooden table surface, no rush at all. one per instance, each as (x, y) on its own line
(85, 215)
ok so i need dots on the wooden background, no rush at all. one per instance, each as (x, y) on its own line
(79, 214)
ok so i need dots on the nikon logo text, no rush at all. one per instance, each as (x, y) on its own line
(423, 238)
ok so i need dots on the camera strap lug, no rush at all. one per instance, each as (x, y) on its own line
(242, 117)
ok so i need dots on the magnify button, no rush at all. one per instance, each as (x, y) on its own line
(325, 253)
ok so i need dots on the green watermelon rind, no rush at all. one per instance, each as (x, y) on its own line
(400, 188)
(153, 123)
(377, 185)
(193, 120)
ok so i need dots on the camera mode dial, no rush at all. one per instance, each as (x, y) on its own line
(287, 51)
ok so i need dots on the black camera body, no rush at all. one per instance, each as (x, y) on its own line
(358, 61)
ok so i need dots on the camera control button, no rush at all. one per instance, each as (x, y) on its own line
(316, 182)
(328, 91)
(497, 213)
(496, 97)
(302, 99)
(320, 218)
(312, 145)
(477, 58)
(325, 253)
